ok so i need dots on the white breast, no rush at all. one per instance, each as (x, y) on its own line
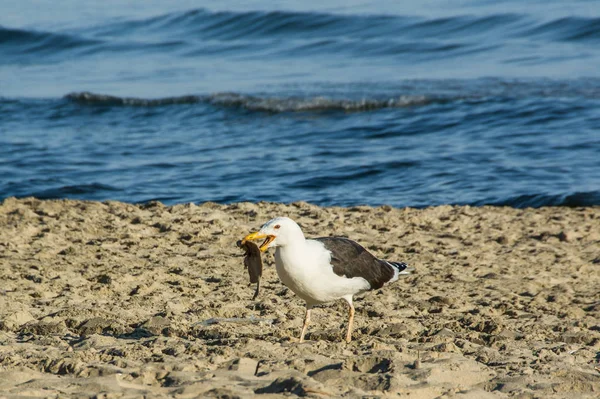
(305, 269)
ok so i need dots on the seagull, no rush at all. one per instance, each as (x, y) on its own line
(324, 269)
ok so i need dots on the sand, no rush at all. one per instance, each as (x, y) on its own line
(115, 300)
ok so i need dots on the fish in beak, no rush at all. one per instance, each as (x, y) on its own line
(258, 236)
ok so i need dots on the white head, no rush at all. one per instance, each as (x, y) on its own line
(277, 232)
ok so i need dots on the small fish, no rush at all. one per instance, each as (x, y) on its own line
(252, 262)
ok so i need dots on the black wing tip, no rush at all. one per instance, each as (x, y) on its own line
(401, 266)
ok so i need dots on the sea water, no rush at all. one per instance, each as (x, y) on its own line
(411, 103)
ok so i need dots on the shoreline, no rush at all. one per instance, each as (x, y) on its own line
(509, 203)
(115, 297)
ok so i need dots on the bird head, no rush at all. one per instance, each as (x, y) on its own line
(277, 232)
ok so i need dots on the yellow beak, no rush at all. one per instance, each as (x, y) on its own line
(256, 236)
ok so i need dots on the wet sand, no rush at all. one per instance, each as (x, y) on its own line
(121, 300)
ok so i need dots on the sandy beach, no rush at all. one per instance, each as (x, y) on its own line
(114, 300)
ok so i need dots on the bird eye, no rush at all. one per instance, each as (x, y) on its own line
(276, 226)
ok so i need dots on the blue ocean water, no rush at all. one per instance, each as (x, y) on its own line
(412, 103)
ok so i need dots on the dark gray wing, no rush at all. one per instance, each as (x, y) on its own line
(350, 259)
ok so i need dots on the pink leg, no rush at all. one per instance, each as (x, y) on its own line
(306, 321)
(350, 322)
